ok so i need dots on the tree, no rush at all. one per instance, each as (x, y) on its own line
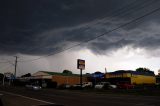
(141, 69)
(26, 75)
(67, 72)
(145, 70)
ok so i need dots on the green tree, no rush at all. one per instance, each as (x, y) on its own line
(26, 75)
(67, 72)
(141, 69)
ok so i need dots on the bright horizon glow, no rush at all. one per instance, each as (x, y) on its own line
(125, 58)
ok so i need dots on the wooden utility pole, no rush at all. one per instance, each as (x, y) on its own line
(15, 67)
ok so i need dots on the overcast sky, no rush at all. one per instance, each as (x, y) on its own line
(37, 30)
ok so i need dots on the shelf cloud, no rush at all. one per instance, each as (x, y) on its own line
(42, 27)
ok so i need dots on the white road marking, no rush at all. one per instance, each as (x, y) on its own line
(27, 97)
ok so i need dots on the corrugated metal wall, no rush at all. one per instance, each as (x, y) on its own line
(134, 78)
(68, 79)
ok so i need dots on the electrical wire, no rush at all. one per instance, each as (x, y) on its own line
(8, 66)
(86, 41)
(115, 13)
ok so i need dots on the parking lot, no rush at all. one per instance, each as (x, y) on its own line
(19, 96)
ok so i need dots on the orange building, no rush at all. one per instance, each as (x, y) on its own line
(60, 78)
(70, 79)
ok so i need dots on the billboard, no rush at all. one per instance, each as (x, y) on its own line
(80, 64)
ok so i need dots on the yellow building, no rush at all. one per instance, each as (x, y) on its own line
(132, 77)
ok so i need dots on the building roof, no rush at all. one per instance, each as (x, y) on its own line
(147, 73)
(57, 73)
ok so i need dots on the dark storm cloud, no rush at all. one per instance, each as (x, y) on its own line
(43, 26)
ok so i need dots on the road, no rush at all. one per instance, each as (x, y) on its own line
(78, 98)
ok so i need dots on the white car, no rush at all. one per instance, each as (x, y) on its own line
(78, 85)
(113, 86)
(84, 84)
(87, 84)
(102, 85)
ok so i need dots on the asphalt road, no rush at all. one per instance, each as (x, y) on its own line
(79, 98)
(11, 99)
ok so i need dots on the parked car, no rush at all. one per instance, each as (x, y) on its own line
(125, 85)
(100, 85)
(84, 85)
(87, 84)
(78, 85)
(33, 87)
(111, 86)
(64, 86)
(157, 85)
(105, 85)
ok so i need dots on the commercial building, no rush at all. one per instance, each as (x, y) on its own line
(60, 78)
(132, 77)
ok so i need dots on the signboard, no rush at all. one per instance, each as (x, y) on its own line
(80, 64)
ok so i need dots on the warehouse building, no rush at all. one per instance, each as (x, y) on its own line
(132, 77)
(60, 78)
(158, 79)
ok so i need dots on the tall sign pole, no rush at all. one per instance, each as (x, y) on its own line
(81, 66)
(81, 77)
(15, 67)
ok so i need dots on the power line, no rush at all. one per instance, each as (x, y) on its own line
(7, 61)
(115, 13)
(86, 41)
(131, 6)
(8, 66)
(4, 62)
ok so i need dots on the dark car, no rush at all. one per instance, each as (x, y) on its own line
(125, 85)
(34, 86)
(64, 86)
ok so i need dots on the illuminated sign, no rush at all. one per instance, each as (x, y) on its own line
(80, 64)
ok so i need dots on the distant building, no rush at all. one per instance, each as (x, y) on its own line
(42, 75)
(96, 77)
(132, 77)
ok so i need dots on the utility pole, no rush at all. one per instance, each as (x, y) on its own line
(15, 66)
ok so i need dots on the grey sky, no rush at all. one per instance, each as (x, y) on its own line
(41, 27)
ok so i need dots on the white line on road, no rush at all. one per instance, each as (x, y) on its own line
(27, 97)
